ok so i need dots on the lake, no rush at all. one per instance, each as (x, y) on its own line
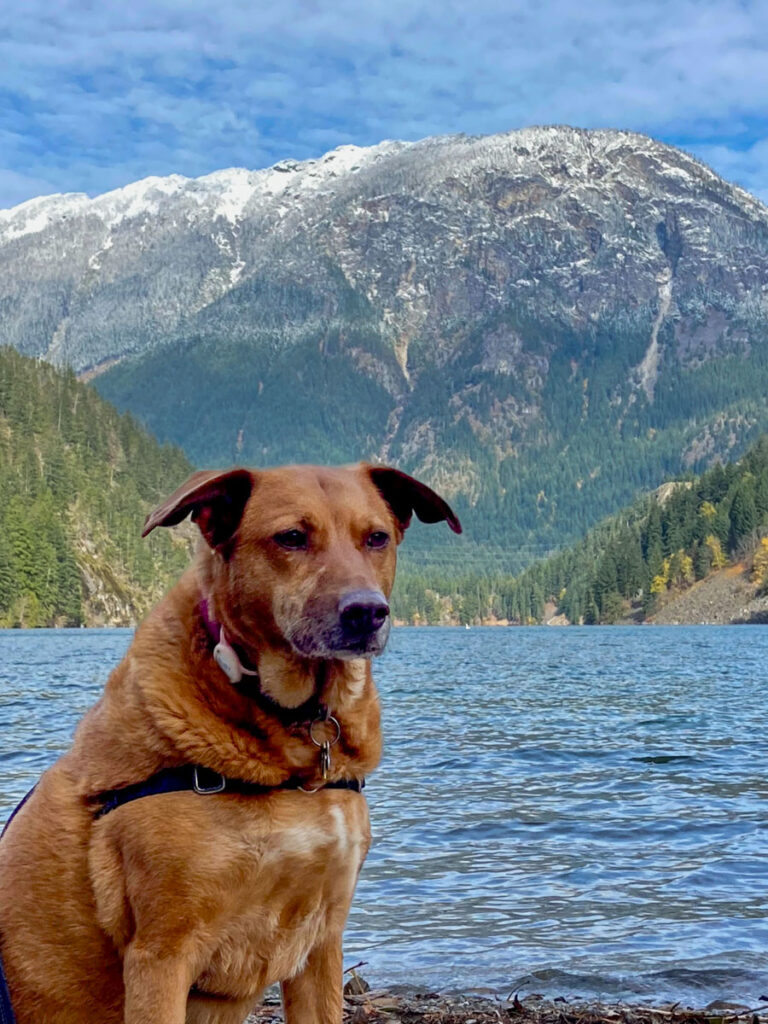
(577, 812)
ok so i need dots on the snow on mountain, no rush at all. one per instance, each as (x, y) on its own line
(36, 215)
(224, 193)
(548, 218)
(140, 199)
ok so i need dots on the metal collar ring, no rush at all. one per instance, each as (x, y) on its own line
(330, 720)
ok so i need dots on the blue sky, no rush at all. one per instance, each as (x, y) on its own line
(95, 95)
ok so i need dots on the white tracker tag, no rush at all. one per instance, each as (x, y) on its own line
(226, 658)
(228, 661)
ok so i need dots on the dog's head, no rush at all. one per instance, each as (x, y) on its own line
(304, 556)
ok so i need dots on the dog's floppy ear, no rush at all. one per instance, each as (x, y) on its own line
(404, 495)
(216, 500)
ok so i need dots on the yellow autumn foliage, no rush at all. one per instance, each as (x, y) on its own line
(760, 564)
(658, 585)
(684, 568)
(660, 582)
(676, 569)
(718, 558)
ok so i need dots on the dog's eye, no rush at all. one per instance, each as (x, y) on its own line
(293, 540)
(377, 539)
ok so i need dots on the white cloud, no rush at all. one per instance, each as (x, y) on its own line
(98, 95)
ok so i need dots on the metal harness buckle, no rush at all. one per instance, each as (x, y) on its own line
(217, 787)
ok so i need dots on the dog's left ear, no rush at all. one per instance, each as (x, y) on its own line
(216, 500)
(405, 495)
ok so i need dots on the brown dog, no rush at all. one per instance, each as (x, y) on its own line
(252, 679)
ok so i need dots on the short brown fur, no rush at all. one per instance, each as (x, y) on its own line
(181, 908)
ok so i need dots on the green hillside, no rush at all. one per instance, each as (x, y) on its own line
(594, 444)
(76, 480)
(628, 564)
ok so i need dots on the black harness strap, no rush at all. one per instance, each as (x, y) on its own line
(197, 779)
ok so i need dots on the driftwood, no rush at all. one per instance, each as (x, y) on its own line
(365, 1006)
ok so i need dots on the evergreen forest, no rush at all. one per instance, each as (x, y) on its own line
(523, 483)
(76, 481)
(627, 565)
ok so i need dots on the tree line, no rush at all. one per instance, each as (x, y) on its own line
(76, 479)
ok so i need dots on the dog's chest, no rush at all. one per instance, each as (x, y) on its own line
(296, 877)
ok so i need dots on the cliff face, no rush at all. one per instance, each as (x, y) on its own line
(540, 322)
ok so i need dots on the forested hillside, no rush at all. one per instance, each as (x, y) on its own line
(76, 480)
(629, 564)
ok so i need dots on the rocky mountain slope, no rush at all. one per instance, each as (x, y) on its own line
(540, 323)
(726, 597)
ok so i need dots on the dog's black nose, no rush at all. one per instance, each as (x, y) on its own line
(362, 612)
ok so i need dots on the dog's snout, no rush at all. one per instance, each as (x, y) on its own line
(362, 612)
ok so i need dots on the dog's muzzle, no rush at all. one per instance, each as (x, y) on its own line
(356, 625)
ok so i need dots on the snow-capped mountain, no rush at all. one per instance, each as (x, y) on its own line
(539, 209)
(457, 303)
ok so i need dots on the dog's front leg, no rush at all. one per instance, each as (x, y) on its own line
(314, 995)
(156, 985)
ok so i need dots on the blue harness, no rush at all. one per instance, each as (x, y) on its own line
(186, 778)
(6, 1009)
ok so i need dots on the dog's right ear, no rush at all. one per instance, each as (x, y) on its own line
(216, 500)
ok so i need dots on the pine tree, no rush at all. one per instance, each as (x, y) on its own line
(743, 513)
(702, 560)
(612, 608)
(761, 498)
(652, 544)
(606, 579)
(8, 579)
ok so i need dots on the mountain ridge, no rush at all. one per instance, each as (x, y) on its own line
(539, 323)
(349, 157)
(231, 194)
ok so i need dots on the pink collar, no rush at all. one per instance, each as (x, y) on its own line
(224, 654)
(235, 666)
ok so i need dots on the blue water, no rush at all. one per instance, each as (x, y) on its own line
(565, 811)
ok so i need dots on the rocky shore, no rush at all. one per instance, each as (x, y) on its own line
(723, 598)
(381, 1007)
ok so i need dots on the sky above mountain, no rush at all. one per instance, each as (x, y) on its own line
(93, 96)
